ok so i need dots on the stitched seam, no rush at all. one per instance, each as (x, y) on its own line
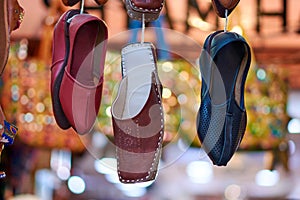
(156, 156)
(145, 9)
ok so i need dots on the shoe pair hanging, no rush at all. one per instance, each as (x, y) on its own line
(137, 112)
(222, 118)
(79, 49)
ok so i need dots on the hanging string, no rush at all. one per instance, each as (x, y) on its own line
(143, 29)
(226, 20)
(82, 7)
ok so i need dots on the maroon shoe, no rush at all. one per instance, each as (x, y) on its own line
(70, 2)
(59, 61)
(220, 6)
(81, 87)
(150, 8)
(101, 2)
(137, 115)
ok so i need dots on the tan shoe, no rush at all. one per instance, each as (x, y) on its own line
(220, 6)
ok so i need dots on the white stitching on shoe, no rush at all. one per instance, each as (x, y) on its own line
(156, 156)
(147, 10)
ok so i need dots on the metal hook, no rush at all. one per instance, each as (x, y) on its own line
(226, 20)
(143, 29)
(82, 7)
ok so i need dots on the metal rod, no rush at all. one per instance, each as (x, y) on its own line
(82, 7)
(226, 20)
(143, 29)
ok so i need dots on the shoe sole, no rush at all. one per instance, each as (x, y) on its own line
(59, 114)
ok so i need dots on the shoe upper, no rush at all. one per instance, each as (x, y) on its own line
(150, 9)
(222, 116)
(82, 82)
(148, 5)
(139, 140)
(137, 115)
(59, 60)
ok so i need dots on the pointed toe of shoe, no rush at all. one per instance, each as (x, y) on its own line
(220, 6)
(220, 132)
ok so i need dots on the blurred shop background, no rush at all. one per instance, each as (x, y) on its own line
(46, 163)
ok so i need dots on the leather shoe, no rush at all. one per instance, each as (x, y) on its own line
(101, 2)
(221, 5)
(59, 60)
(137, 115)
(81, 86)
(222, 119)
(151, 9)
(70, 2)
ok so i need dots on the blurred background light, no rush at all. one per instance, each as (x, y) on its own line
(99, 140)
(63, 173)
(267, 178)
(200, 172)
(132, 190)
(294, 126)
(233, 192)
(76, 185)
(106, 165)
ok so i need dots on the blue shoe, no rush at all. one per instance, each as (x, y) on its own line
(222, 119)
